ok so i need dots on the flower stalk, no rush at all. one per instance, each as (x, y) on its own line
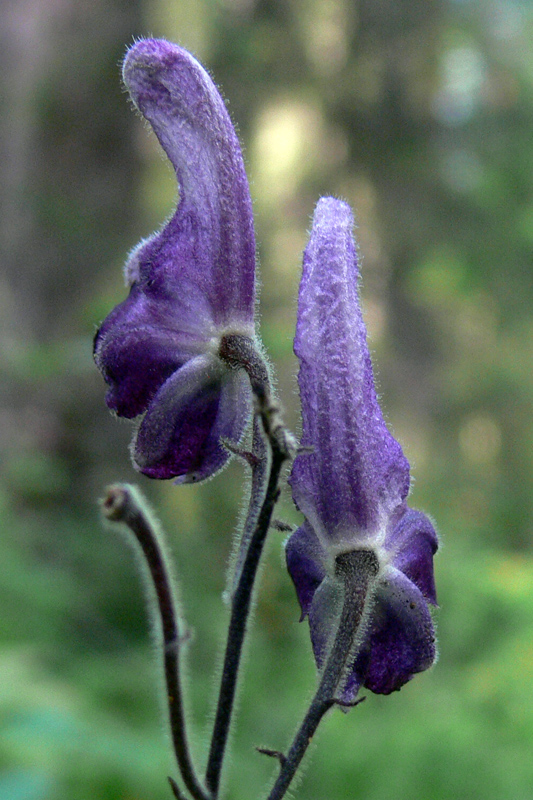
(269, 430)
(356, 570)
(123, 504)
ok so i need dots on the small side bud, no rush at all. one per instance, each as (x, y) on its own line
(266, 751)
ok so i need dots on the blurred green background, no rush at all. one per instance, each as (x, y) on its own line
(420, 114)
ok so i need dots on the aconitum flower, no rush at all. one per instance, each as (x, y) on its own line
(190, 284)
(351, 479)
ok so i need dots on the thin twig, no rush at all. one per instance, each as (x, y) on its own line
(123, 504)
(266, 751)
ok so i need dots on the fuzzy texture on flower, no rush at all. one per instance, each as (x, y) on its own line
(352, 481)
(190, 283)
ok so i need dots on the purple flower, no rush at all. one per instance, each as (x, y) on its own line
(190, 284)
(353, 483)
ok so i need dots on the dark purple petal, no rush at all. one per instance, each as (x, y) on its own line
(413, 542)
(136, 351)
(398, 634)
(306, 564)
(400, 641)
(180, 435)
(204, 258)
(233, 417)
(356, 473)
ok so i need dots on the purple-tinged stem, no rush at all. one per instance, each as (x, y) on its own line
(122, 504)
(240, 352)
(357, 570)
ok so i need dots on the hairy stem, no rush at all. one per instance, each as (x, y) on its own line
(260, 456)
(241, 352)
(357, 570)
(240, 609)
(123, 504)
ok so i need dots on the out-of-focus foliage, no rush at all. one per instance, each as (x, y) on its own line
(419, 113)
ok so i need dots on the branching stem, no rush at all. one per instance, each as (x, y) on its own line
(272, 446)
(240, 609)
(240, 352)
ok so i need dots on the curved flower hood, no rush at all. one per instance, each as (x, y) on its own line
(190, 283)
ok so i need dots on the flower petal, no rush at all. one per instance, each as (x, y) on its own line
(356, 471)
(136, 350)
(400, 640)
(414, 542)
(205, 255)
(306, 565)
(197, 406)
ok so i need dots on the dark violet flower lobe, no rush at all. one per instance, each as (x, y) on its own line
(352, 483)
(190, 284)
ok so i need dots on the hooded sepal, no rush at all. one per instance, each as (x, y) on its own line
(191, 283)
(356, 471)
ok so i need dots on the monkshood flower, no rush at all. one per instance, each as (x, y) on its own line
(351, 480)
(190, 285)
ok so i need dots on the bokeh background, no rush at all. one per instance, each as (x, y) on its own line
(420, 114)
